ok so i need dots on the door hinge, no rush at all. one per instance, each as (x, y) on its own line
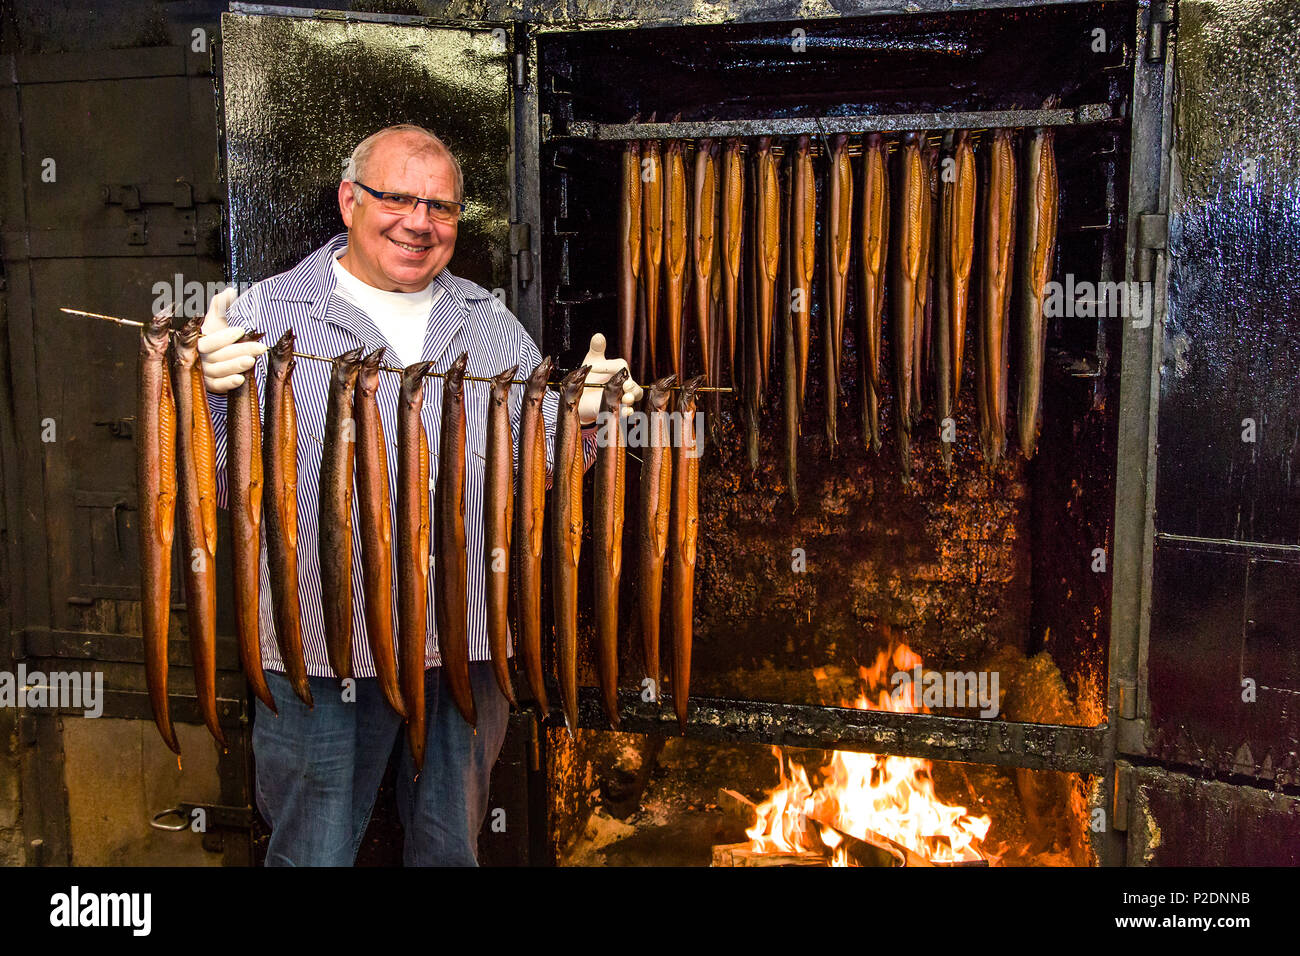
(1152, 239)
(521, 70)
(521, 247)
(1123, 804)
(1153, 230)
(1162, 16)
(1130, 721)
(1127, 699)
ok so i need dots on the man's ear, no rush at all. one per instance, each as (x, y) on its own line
(347, 199)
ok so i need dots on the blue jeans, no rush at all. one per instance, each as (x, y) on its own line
(318, 771)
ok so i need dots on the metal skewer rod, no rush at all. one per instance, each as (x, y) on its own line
(1086, 114)
(386, 368)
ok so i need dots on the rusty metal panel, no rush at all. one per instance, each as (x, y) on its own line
(299, 94)
(62, 120)
(1181, 821)
(100, 229)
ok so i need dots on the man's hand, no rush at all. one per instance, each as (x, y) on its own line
(602, 370)
(225, 358)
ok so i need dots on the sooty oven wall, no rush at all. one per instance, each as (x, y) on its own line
(977, 569)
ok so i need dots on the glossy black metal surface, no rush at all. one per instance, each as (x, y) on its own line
(300, 94)
(1224, 632)
(1232, 338)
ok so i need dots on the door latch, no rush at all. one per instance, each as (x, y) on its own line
(202, 817)
(118, 427)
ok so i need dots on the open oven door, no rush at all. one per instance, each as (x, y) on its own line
(298, 90)
(1209, 687)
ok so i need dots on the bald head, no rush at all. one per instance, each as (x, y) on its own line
(405, 139)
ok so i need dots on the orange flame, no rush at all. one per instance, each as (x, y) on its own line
(861, 794)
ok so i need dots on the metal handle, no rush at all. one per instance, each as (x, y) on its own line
(170, 828)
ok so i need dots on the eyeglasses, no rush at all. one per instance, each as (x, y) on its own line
(440, 210)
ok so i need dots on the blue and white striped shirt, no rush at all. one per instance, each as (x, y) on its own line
(464, 317)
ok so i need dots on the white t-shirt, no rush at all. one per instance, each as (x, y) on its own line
(401, 317)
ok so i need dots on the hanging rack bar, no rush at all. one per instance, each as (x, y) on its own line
(386, 368)
(878, 123)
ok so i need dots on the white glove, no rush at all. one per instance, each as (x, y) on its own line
(602, 370)
(224, 356)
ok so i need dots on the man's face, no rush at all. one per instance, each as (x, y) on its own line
(392, 251)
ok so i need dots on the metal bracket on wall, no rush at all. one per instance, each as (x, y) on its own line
(521, 247)
(118, 427)
(181, 195)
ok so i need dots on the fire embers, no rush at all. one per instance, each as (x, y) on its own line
(918, 224)
(887, 802)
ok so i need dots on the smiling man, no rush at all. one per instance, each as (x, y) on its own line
(382, 284)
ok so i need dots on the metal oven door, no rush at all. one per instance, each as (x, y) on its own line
(298, 90)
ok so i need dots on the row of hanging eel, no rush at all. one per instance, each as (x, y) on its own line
(176, 472)
(750, 234)
(668, 528)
